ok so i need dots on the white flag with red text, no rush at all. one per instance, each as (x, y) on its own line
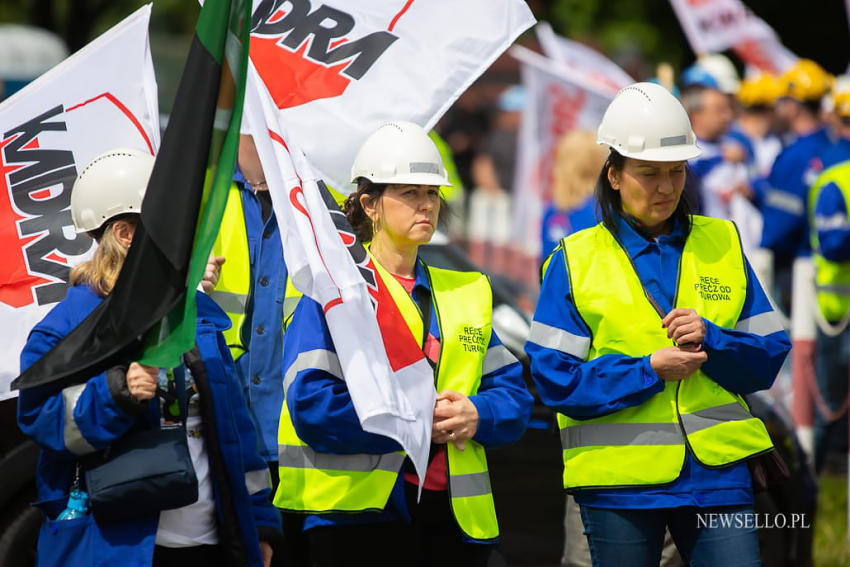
(557, 103)
(717, 25)
(337, 69)
(104, 96)
(390, 381)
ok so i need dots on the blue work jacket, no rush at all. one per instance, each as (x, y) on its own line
(323, 414)
(784, 201)
(99, 417)
(740, 362)
(260, 368)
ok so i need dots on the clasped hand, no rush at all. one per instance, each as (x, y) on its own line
(455, 419)
(687, 329)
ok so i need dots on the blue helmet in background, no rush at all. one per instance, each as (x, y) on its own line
(696, 76)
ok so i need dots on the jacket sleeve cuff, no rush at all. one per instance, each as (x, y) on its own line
(116, 379)
(711, 340)
(272, 536)
(650, 377)
(484, 433)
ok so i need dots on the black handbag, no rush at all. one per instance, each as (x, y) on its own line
(143, 472)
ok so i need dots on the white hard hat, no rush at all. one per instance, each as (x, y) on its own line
(400, 153)
(721, 68)
(111, 184)
(645, 121)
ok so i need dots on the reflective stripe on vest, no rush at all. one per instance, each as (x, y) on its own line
(646, 445)
(317, 482)
(234, 283)
(832, 278)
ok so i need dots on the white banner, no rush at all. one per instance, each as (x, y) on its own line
(556, 104)
(337, 69)
(717, 25)
(588, 65)
(102, 97)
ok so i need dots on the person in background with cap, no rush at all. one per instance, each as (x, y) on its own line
(360, 495)
(785, 205)
(232, 514)
(754, 125)
(720, 171)
(649, 328)
(829, 207)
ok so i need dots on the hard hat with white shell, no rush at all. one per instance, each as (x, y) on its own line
(645, 121)
(400, 153)
(111, 184)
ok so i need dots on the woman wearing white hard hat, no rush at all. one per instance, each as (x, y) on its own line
(649, 328)
(76, 424)
(358, 486)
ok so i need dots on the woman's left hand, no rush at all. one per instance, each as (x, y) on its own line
(267, 552)
(212, 273)
(685, 327)
(455, 419)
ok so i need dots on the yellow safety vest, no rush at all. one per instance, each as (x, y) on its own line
(832, 278)
(321, 483)
(234, 283)
(646, 445)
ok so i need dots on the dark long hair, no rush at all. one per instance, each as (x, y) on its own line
(609, 206)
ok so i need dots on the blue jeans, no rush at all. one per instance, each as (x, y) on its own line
(832, 369)
(634, 538)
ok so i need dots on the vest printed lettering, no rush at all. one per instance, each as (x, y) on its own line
(647, 444)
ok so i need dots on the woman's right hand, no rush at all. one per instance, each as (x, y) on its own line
(142, 381)
(675, 363)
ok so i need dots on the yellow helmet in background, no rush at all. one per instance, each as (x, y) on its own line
(760, 90)
(841, 96)
(806, 81)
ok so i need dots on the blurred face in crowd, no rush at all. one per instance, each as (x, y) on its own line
(714, 116)
(785, 112)
(649, 190)
(404, 215)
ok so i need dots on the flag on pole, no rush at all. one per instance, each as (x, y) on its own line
(559, 101)
(324, 89)
(712, 27)
(102, 97)
(152, 304)
(327, 263)
(337, 69)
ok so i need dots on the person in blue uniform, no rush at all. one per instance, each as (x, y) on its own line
(359, 499)
(649, 328)
(233, 514)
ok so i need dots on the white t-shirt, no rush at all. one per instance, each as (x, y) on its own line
(194, 524)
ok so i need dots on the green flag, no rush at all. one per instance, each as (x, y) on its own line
(150, 314)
